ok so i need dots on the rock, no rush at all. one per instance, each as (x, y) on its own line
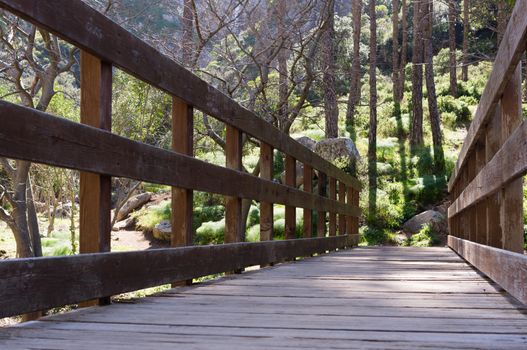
(127, 224)
(432, 217)
(307, 141)
(340, 151)
(134, 203)
(162, 230)
(63, 210)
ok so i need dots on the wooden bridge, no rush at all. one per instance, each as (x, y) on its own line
(312, 292)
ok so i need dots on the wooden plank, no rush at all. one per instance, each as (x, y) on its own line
(506, 268)
(342, 199)
(290, 211)
(481, 208)
(511, 213)
(106, 39)
(182, 198)
(233, 204)
(509, 164)
(95, 189)
(511, 48)
(353, 201)
(332, 215)
(39, 137)
(72, 279)
(266, 208)
(308, 213)
(321, 214)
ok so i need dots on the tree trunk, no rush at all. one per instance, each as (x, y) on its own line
(466, 28)
(395, 50)
(187, 23)
(372, 136)
(404, 51)
(330, 98)
(431, 89)
(354, 94)
(416, 137)
(452, 19)
(32, 220)
(283, 86)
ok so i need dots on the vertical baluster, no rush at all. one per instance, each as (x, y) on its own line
(308, 213)
(266, 208)
(182, 199)
(95, 189)
(481, 207)
(342, 199)
(511, 214)
(233, 205)
(321, 215)
(492, 145)
(290, 212)
(332, 215)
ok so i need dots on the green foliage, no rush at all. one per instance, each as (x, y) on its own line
(254, 216)
(210, 232)
(458, 107)
(376, 236)
(148, 217)
(425, 238)
(207, 214)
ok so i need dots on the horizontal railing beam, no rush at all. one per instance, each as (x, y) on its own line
(31, 135)
(34, 284)
(508, 164)
(512, 46)
(508, 269)
(91, 31)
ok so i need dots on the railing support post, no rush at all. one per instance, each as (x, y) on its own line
(332, 215)
(233, 205)
(95, 189)
(266, 208)
(308, 213)
(182, 199)
(290, 212)
(321, 215)
(511, 213)
(342, 199)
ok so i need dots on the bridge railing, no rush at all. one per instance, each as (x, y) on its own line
(32, 284)
(486, 216)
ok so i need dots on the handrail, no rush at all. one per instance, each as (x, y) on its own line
(90, 147)
(486, 215)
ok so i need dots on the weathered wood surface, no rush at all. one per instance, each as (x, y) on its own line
(72, 279)
(28, 134)
(90, 30)
(509, 54)
(508, 269)
(366, 298)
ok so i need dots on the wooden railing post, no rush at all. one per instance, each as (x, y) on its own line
(266, 208)
(332, 215)
(321, 215)
(233, 205)
(511, 214)
(471, 212)
(290, 212)
(355, 203)
(95, 189)
(308, 213)
(481, 208)
(492, 145)
(182, 199)
(342, 199)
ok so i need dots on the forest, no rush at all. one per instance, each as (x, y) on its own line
(391, 84)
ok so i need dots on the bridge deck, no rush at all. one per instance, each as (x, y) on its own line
(368, 298)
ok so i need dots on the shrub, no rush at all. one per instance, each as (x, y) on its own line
(148, 217)
(371, 236)
(254, 216)
(425, 238)
(207, 213)
(210, 232)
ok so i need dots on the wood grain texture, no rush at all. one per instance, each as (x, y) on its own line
(266, 208)
(342, 199)
(112, 43)
(182, 198)
(308, 213)
(233, 204)
(332, 215)
(39, 137)
(290, 211)
(95, 189)
(508, 269)
(321, 214)
(72, 279)
(511, 48)
(347, 299)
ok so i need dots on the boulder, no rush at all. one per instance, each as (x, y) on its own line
(432, 217)
(132, 204)
(63, 210)
(127, 224)
(162, 230)
(340, 151)
(307, 142)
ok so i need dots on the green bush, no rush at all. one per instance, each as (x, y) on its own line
(459, 107)
(254, 216)
(207, 213)
(148, 217)
(372, 236)
(425, 238)
(210, 232)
